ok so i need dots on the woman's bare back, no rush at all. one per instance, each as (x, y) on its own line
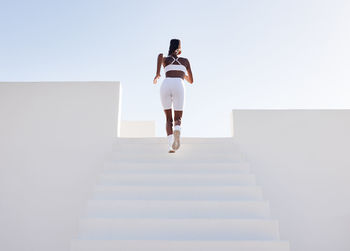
(175, 74)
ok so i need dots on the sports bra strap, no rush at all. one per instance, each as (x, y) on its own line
(176, 59)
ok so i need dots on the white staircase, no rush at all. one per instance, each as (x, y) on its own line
(202, 198)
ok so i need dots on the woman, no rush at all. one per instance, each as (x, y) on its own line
(172, 90)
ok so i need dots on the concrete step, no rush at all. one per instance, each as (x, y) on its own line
(178, 229)
(188, 145)
(178, 193)
(176, 179)
(185, 148)
(177, 209)
(180, 156)
(186, 140)
(138, 245)
(170, 167)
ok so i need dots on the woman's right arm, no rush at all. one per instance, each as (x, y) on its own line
(159, 65)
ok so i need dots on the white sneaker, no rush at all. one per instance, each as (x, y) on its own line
(170, 143)
(176, 144)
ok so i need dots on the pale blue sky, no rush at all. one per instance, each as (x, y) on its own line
(244, 54)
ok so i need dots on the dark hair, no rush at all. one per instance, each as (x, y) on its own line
(174, 45)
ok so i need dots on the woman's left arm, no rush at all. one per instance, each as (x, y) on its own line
(159, 65)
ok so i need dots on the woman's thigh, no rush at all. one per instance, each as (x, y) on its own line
(178, 93)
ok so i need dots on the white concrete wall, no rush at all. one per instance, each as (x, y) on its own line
(135, 129)
(53, 139)
(302, 160)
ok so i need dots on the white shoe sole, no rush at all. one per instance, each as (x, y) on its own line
(176, 144)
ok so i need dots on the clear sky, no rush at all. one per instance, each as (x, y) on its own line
(244, 54)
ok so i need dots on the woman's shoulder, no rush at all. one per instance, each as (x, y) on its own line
(169, 59)
(184, 61)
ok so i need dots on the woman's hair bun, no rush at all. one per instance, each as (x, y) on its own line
(175, 46)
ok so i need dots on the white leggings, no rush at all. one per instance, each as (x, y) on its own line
(172, 91)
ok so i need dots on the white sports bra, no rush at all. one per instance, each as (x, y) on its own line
(175, 67)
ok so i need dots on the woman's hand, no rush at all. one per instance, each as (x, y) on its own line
(187, 78)
(156, 79)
